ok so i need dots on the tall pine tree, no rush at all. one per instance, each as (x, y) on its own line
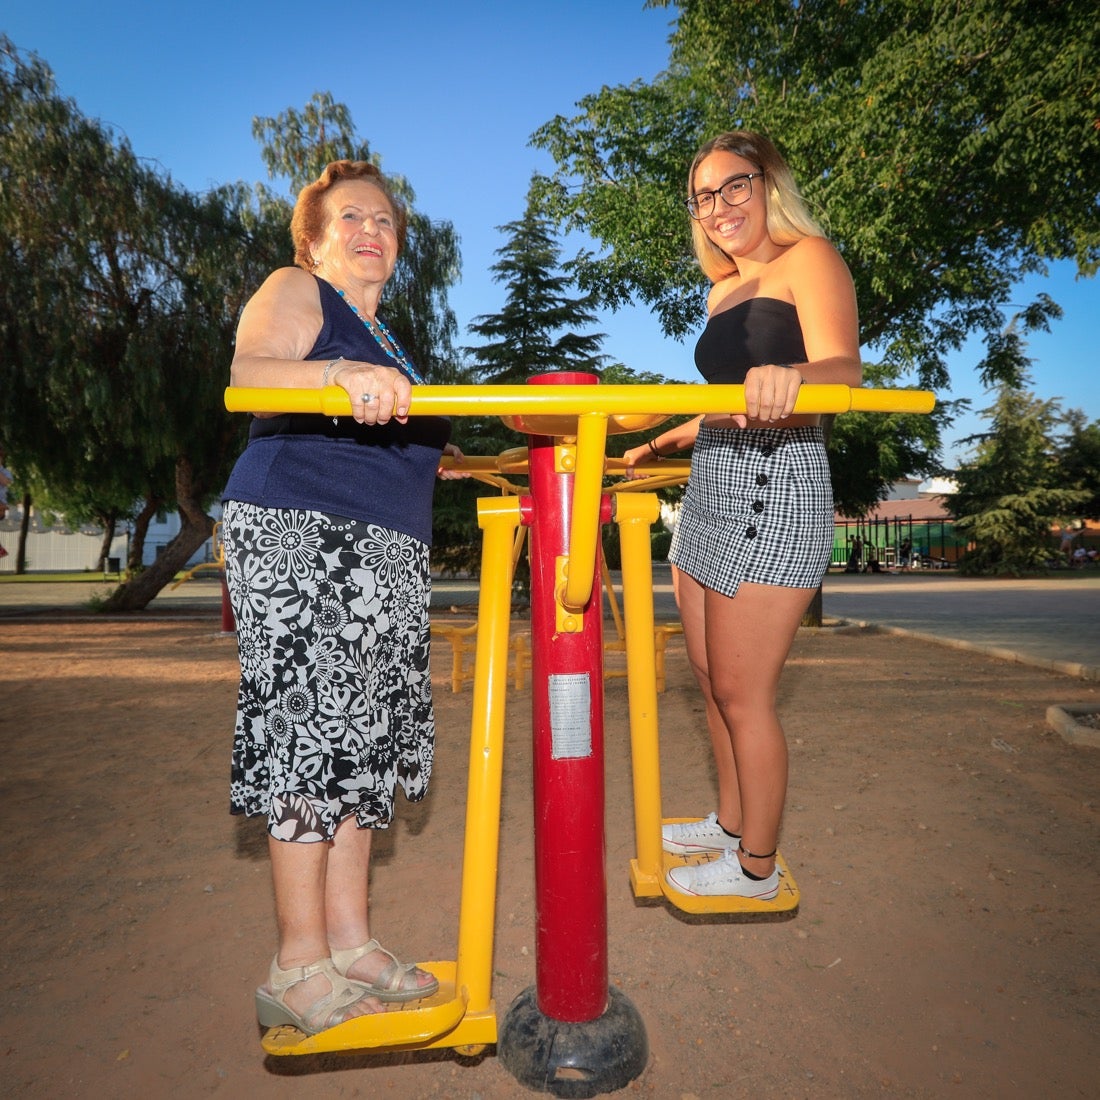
(538, 329)
(1013, 491)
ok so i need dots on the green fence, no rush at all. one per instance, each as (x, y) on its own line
(900, 541)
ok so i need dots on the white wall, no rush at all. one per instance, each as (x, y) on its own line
(58, 549)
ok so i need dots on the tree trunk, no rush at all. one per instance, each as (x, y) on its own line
(814, 613)
(141, 532)
(140, 590)
(24, 531)
(109, 526)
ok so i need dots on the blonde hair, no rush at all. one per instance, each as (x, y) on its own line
(308, 221)
(788, 220)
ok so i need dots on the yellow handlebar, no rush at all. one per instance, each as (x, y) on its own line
(670, 398)
(592, 406)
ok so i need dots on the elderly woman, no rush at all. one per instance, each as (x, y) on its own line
(327, 524)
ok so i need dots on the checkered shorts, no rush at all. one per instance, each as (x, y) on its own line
(758, 507)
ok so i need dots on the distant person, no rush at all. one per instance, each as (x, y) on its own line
(756, 525)
(327, 525)
(1065, 546)
(855, 555)
(5, 481)
(905, 553)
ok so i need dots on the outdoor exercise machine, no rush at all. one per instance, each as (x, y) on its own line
(571, 1034)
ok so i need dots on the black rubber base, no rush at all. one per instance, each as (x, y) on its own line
(573, 1060)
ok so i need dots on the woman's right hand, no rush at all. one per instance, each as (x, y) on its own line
(378, 394)
(641, 453)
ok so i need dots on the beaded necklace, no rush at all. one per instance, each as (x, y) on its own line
(397, 354)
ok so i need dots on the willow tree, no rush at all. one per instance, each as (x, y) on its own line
(73, 200)
(117, 318)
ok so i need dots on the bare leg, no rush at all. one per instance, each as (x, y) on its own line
(737, 648)
(748, 639)
(299, 873)
(346, 902)
(690, 597)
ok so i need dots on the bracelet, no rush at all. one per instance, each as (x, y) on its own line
(653, 450)
(328, 367)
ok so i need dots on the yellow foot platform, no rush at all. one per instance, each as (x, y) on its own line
(441, 1020)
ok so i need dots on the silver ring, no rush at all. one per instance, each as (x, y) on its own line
(367, 399)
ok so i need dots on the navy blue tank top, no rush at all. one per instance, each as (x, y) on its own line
(381, 474)
(750, 334)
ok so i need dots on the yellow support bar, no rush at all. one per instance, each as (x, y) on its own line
(498, 519)
(669, 398)
(584, 526)
(635, 514)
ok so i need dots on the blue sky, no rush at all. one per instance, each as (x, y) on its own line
(448, 94)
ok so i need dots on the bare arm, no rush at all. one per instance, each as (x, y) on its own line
(677, 438)
(277, 330)
(824, 295)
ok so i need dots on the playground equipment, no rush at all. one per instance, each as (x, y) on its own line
(229, 626)
(570, 1034)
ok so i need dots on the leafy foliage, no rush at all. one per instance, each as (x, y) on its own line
(538, 329)
(1079, 460)
(949, 149)
(1013, 492)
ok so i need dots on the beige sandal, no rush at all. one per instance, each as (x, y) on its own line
(398, 982)
(327, 1011)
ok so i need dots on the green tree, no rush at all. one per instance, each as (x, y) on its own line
(949, 149)
(537, 330)
(1079, 461)
(1011, 494)
(869, 452)
(539, 327)
(118, 323)
(74, 205)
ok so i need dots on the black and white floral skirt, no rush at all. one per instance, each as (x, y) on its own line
(335, 703)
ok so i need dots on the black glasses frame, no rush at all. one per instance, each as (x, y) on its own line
(696, 201)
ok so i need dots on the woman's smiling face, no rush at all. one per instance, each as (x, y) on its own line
(359, 243)
(742, 230)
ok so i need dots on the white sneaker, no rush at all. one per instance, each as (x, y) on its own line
(723, 878)
(687, 838)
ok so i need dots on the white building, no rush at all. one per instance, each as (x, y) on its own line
(58, 548)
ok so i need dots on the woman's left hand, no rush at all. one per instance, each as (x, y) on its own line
(450, 450)
(770, 393)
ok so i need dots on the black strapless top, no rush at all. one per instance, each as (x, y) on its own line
(749, 334)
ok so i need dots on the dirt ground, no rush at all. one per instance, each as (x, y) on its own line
(944, 840)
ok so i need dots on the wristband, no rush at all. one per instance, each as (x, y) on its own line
(653, 450)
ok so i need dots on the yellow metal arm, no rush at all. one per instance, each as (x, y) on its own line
(573, 400)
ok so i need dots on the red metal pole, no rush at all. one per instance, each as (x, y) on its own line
(229, 624)
(567, 681)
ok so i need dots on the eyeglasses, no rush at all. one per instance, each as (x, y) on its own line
(734, 192)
